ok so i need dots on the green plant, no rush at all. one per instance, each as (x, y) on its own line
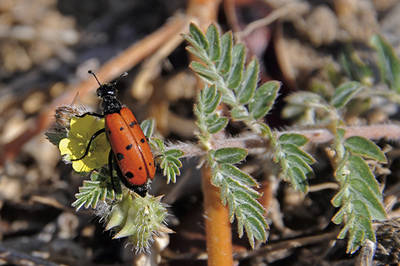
(229, 81)
(222, 68)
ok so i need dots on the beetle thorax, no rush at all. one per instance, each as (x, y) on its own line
(111, 105)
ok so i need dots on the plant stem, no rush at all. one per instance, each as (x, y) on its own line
(218, 227)
(256, 145)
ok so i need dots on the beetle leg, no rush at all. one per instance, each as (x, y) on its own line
(90, 142)
(116, 188)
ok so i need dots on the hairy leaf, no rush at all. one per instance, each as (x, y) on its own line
(197, 36)
(205, 73)
(292, 149)
(361, 202)
(239, 112)
(263, 99)
(236, 191)
(148, 127)
(247, 88)
(212, 100)
(224, 63)
(389, 63)
(229, 155)
(365, 148)
(294, 161)
(216, 124)
(295, 139)
(234, 76)
(344, 93)
(170, 164)
(55, 136)
(200, 54)
(97, 189)
(174, 152)
(354, 67)
(214, 49)
(232, 171)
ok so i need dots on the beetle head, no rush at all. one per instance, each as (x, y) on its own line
(108, 89)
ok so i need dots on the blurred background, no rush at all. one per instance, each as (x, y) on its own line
(46, 49)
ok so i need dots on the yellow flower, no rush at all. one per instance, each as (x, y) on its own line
(74, 146)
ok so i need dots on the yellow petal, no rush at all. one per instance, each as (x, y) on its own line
(63, 146)
(73, 120)
(81, 130)
(80, 166)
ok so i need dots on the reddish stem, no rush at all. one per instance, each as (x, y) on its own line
(218, 227)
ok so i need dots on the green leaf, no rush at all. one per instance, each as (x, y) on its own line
(229, 155)
(170, 164)
(200, 54)
(239, 112)
(174, 160)
(295, 139)
(298, 162)
(304, 98)
(360, 170)
(198, 37)
(339, 216)
(235, 73)
(205, 73)
(212, 101)
(361, 202)
(362, 192)
(174, 152)
(56, 136)
(359, 227)
(224, 63)
(97, 189)
(249, 214)
(291, 149)
(365, 148)
(344, 93)
(228, 96)
(157, 144)
(247, 88)
(148, 127)
(263, 99)
(297, 178)
(236, 191)
(216, 124)
(214, 49)
(295, 162)
(231, 171)
(355, 68)
(337, 200)
(389, 64)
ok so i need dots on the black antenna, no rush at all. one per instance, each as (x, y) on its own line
(94, 75)
(123, 75)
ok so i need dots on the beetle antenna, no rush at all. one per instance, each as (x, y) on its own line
(123, 75)
(94, 75)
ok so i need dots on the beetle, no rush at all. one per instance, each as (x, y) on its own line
(129, 146)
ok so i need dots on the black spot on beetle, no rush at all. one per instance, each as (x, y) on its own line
(140, 168)
(142, 141)
(128, 147)
(109, 132)
(120, 156)
(150, 164)
(132, 124)
(121, 128)
(129, 174)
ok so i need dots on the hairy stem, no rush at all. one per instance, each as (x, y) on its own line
(255, 144)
